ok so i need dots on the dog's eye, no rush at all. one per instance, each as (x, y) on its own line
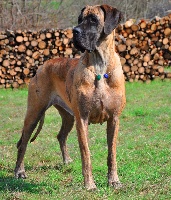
(93, 20)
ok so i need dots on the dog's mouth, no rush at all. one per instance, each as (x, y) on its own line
(78, 45)
(81, 47)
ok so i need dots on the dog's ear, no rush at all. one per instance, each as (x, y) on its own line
(80, 17)
(112, 18)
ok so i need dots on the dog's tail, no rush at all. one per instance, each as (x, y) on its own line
(41, 122)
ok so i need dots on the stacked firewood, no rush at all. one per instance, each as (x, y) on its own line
(145, 50)
(22, 52)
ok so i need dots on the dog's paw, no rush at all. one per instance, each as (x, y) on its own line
(20, 174)
(67, 161)
(116, 185)
(90, 186)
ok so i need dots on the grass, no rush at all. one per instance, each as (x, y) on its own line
(143, 152)
(167, 68)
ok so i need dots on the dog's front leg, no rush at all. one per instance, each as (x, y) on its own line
(112, 132)
(82, 132)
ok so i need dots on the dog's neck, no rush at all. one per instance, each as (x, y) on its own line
(102, 55)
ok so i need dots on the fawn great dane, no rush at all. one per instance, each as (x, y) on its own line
(86, 90)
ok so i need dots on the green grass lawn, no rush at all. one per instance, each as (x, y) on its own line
(143, 152)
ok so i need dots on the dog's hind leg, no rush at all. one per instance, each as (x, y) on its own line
(32, 118)
(67, 124)
(37, 105)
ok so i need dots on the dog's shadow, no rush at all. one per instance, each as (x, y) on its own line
(12, 185)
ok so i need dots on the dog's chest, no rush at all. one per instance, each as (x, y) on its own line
(98, 100)
(103, 104)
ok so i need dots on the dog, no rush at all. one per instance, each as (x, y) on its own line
(86, 90)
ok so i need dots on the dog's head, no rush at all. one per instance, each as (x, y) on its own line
(94, 23)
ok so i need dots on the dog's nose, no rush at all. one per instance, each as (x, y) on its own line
(76, 30)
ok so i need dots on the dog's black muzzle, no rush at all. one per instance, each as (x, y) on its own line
(77, 31)
(82, 40)
(77, 38)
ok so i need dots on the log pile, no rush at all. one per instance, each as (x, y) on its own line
(22, 52)
(145, 50)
